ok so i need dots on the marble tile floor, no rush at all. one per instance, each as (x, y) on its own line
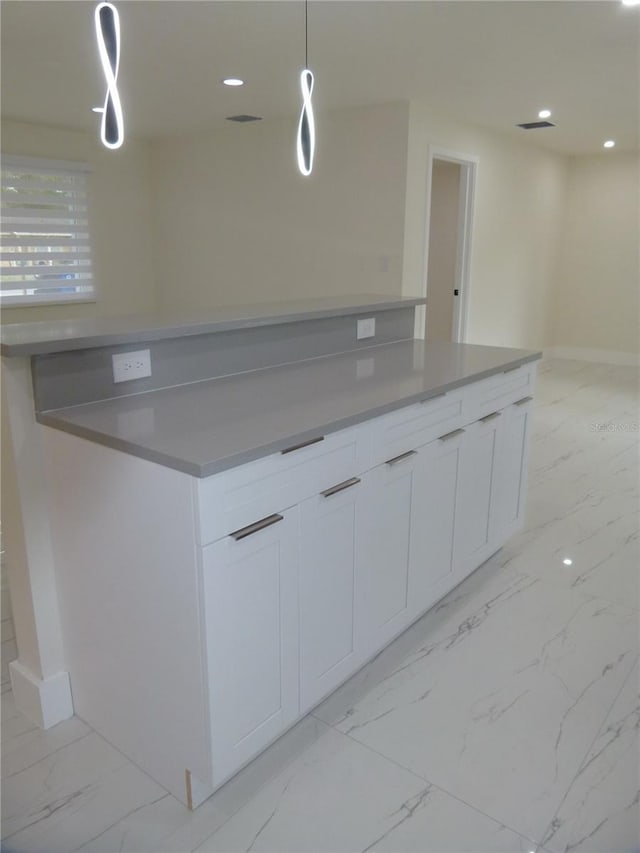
(507, 719)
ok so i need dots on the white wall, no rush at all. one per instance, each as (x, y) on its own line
(520, 196)
(120, 197)
(597, 305)
(443, 243)
(235, 222)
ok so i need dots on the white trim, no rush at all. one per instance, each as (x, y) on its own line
(468, 177)
(66, 299)
(45, 701)
(603, 356)
(14, 161)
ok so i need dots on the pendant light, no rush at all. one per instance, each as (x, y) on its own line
(107, 23)
(306, 141)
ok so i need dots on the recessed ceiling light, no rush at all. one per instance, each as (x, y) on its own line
(544, 114)
(233, 81)
(610, 143)
(631, 2)
(567, 561)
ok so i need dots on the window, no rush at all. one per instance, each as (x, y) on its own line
(46, 256)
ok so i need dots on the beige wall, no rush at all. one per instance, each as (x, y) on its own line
(120, 199)
(597, 305)
(235, 222)
(224, 217)
(520, 197)
(443, 243)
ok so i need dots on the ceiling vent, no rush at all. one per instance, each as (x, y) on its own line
(243, 118)
(533, 125)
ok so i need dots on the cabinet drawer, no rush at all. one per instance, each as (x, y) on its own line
(413, 426)
(241, 496)
(496, 392)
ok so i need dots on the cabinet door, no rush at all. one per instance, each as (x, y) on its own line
(477, 487)
(512, 470)
(330, 525)
(386, 547)
(250, 610)
(432, 526)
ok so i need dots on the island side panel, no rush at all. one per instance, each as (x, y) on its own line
(40, 682)
(129, 589)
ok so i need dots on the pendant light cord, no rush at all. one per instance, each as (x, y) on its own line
(306, 33)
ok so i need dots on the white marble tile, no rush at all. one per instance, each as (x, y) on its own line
(24, 749)
(602, 808)
(71, 796)
(583, 501)
(24, 744)
(434, 822)
(146, 829)
(166, 826)
(503, 697)
(340, 796)
(604, 557)
(8, 710)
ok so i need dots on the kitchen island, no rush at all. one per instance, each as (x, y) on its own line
(230, 548)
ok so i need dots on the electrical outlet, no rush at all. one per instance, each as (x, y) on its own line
(131, 365)
(366, 328)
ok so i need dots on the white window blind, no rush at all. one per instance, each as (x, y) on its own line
(46, 252)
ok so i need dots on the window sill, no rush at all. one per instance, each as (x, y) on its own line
(48, 303)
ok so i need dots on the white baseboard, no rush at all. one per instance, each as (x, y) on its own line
(603, 356)
(44, 701)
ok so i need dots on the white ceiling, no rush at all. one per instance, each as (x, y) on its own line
(490, 63)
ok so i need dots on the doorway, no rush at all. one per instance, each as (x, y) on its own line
(451, 189)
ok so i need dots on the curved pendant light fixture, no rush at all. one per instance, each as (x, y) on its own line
(306, 142)
(107, 23)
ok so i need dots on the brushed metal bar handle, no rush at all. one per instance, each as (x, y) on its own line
(304, 444)
(340, 487)
(449, 435)
(256, 526)
(523, 401)
(435, 397)
(512, 369)
(401, 458)
(491, 417)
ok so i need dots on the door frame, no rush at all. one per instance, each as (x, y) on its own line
(466, 204)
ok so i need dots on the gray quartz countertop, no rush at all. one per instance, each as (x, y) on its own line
(206, 427)
(23, 339)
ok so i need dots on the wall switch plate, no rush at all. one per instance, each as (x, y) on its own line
(131, 365)
(366, 328)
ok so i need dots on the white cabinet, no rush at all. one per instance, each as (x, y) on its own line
(285, 574)
(432, 534)
(331, 527)
(508, 516)
(393, 513)
(476, 494)
(251, 635)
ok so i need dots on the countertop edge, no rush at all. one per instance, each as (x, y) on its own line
(186, 329)
(55, 420)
